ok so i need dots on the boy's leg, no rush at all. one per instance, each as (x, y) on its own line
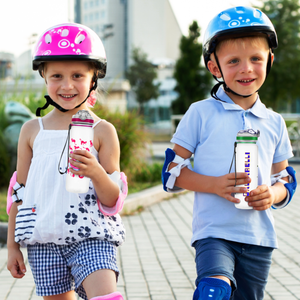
(214, 261)
(251, 272)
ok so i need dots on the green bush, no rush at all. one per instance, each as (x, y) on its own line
(129, 126)
(148, 173)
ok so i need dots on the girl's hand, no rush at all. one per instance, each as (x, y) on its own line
(225, 185)
(261, 198)
(86, 162)
(15, 263)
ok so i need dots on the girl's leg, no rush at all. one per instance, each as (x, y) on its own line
(66, 296)
(100, 283)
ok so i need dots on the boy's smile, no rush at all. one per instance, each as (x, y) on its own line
(243, 63)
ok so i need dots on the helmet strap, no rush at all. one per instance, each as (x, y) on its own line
(49, 101)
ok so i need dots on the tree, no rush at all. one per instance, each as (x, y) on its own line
(141, 75)
(282, 85)
(193, 80)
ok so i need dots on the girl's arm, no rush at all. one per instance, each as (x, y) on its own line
(106, 140)
(223, 186)
(15, 263)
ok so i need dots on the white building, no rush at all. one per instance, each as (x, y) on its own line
(123, 24)
(150, 25)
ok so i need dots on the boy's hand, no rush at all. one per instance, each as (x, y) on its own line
(225, 185)
(15, 263)
(261, 198)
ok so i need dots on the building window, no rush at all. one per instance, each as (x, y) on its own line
(91, 3)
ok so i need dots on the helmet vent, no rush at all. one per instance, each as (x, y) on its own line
(225, 17)
(65, 32)
(240, 10)
(79, 38)
(48, 39)
(257, 14)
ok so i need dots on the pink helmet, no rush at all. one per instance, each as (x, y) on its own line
(70, 41)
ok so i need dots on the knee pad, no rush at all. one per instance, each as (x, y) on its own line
(112, 296)
(212, 289)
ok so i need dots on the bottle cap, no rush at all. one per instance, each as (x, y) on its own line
(248, 135)
(82, 117)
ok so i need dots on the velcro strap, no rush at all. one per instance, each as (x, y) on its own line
(18, 192)
(277, 177)
(175, 172)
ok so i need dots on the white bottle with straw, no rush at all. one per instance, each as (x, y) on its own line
(81, 137)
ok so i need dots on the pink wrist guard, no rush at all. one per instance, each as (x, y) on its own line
(110, 211)
(9, 199)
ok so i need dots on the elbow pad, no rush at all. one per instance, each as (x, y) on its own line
(168, 177)
(121, 180)
(290, 186)
(18, 193)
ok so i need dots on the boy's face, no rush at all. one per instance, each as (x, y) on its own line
(243, 63)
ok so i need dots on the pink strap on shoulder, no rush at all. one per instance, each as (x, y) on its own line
(9, 201)
(110, 211)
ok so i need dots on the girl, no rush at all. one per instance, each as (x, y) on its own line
(71, 240)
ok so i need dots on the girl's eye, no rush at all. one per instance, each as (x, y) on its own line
(77, 76)
(56, 76)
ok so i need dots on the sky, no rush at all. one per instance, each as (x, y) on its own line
(19, 19)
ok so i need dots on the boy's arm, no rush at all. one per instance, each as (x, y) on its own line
(223, 186)
(263, 197)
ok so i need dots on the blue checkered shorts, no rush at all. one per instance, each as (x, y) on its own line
(58, 269)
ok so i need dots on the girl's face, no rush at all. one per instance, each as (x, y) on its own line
(68, 83)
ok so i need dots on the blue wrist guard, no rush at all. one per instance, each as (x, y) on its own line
(290, 186)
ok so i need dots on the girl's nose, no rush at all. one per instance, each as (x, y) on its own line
(67, 84)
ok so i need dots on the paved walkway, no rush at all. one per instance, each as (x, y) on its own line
(157, 262)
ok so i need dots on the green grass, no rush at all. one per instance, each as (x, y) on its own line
(3, 214)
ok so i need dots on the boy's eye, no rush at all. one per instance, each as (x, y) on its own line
(234, 61)
(255, 58)
(77, 76)
(56, 76)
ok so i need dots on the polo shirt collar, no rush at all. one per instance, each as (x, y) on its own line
(258, 109)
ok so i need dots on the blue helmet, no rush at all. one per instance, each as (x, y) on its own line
(238, 21)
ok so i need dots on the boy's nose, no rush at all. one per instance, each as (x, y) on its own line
(246, 67)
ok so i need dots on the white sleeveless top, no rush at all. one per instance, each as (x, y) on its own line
(51, 214)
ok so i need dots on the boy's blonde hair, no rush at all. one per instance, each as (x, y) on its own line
(255, 40)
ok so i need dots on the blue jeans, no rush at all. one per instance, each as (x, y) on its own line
(247, 266)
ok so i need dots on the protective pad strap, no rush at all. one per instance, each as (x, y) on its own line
(169, 176)
(112, 296)
(212, 289)
(290, 186)
(15, 192)
(121, 180)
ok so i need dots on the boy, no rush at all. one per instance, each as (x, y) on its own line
(233, 246)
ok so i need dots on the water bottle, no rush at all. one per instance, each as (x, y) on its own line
(246, 160)
(81, 136)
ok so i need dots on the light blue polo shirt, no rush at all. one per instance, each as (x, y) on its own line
(208, 129)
